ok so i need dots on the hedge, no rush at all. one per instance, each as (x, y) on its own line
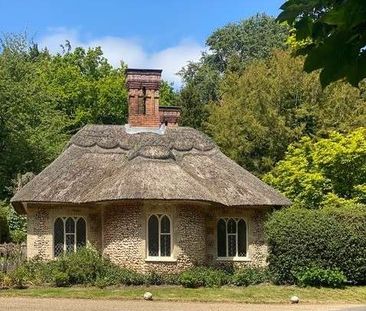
(328, 238)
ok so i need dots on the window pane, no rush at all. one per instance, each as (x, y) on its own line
(58, 235)
(70, 242)
(221, 238)
(165, 245)
(153, 239)
(70, 225)
(231, 226)
(232, 245)
(242, 238)
(80, 233)
(165, 225)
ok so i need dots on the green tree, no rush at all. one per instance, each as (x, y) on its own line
(335, 34)
(231, 48)
(46, 98)
(323, 171)
(168, 96)
(274, 103)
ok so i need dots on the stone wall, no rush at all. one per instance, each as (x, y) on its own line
(40, 220)
(119, 231)
(256, 248)
(125, 232)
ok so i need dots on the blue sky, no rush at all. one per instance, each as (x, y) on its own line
(164, 34)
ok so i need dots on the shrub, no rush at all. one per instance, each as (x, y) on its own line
(61, 279)
(82, 267)
(250, 276)
(321, 277)
(203, 277)
(18, 277)
(327, 238)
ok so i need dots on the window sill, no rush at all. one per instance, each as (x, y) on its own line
(244, 259)
(160, 259)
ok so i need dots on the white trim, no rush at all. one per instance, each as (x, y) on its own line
(64, 219)
(236, 257)
(159, 257)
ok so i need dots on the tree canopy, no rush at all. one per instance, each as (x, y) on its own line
(320, 171)
(273, 103)
(335, 32)
(230, 48)
(45, 98)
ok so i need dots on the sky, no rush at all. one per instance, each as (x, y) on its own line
(144, 34)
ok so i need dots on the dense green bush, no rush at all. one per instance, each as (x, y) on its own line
(250, 276)
(203, 277)
(321, 277)
(327, 238)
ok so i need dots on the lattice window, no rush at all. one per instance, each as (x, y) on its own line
(69, 234)
(159, 236)
(231, 238)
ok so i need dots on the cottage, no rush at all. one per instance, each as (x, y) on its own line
(150, 195)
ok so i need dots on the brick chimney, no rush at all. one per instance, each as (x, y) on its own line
(143, 97)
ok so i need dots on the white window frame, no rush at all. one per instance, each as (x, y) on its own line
(236, 257)
(64, 219)
(159, 257)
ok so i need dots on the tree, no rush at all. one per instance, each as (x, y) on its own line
(335, 34)
(231, 48)
(45, 98)
(320, 171)
(168, 96)
(274, 103)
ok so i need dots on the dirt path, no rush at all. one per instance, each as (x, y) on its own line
(50, 304)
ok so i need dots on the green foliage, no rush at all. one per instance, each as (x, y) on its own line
(231, 48)
(336, 37)
(315, 172)
(61, 279)
(168, 96)
(18, 277)
(4, 227)
(328, 238)
(250, 276)
(274, 103)
(203, 277)
(45, 98)
(319, 277)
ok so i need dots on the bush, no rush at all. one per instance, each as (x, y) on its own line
(321, 277)
(250, 276)
(203, 277)
(61, 279)
(327, 238)
(18, 277)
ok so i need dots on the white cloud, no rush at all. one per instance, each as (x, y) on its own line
(131, 51)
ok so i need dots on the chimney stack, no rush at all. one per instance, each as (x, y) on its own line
(143, 97)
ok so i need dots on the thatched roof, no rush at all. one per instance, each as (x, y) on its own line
(105, 163)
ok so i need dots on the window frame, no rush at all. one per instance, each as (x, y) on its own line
(159, 257)
(65, 234)
(236, 234)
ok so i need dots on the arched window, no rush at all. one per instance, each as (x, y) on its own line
(159, 236)
(231, 238)
(69, 234)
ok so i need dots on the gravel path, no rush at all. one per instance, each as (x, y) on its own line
(53, 304)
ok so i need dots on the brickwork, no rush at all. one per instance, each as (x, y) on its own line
(143, 97)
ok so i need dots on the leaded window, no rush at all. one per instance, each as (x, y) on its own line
(231, 238)
(69, 234)
(159, 236)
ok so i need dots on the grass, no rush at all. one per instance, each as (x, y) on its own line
(250, 294)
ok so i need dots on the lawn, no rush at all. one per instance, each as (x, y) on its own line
(251, 294)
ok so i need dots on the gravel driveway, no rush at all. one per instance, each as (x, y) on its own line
(53, 304)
